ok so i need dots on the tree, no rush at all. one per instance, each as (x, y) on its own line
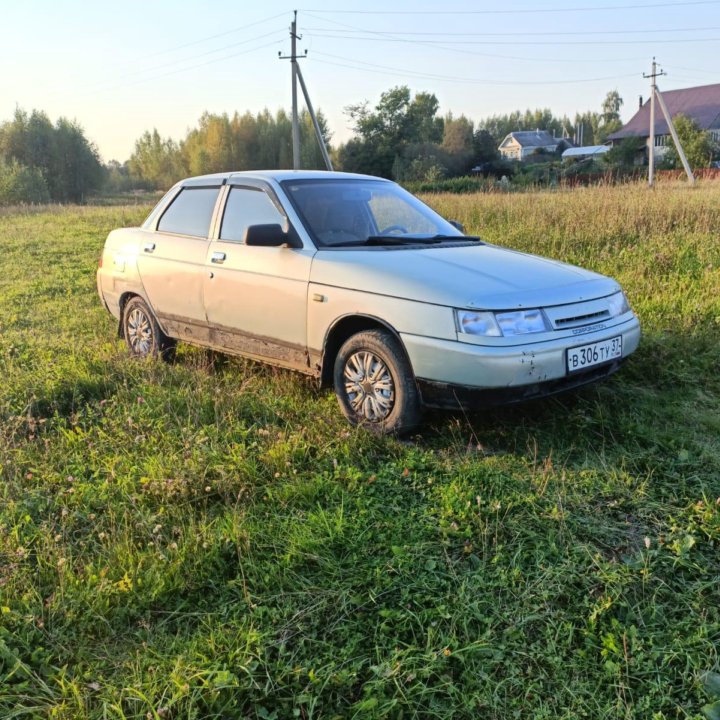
(625, 152)
(157, 161)
(696, 143)
(67, 161)
(458, 144)
(75, 169)
(484, 147)
(397, 121)
(611, 107)
(20, 184)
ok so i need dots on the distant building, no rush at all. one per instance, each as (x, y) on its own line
(702, 104)
(580, 153)
(521, 144)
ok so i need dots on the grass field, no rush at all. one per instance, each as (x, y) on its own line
(209, 539)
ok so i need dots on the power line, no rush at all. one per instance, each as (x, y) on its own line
(697, 70)
(195, 57)
(386, 70)
(663, 41)
(452, 35)
(187, 69)
(213, 37)
(524, 11)
(460, 51)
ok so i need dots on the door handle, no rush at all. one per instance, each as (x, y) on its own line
(218, 257)
(149, 247)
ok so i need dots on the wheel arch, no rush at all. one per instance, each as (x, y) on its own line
(123, 301)
(344, 328)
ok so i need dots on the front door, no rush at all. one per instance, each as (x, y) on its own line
(256, 297)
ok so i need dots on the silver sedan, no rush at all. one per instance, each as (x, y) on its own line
(354, 281)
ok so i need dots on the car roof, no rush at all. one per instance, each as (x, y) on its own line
(277, 176)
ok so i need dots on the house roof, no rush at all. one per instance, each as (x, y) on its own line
(701, 103)
(532, 138)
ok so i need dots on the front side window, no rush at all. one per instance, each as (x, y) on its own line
(355, 212)
(245, 207)
(190, 212)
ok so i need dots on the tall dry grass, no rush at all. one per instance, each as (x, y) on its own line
(657, 242)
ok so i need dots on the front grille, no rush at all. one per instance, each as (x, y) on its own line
(577, 320)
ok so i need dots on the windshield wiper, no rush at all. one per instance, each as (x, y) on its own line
(410, 240)
(379, 240)
(472, 238)
(401, 240)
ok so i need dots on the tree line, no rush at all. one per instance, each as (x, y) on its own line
(403, 137)
(221, 143)
(42, 162)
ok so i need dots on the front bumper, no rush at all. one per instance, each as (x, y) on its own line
(452, 397)
(457, 373)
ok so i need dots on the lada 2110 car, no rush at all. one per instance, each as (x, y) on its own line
(353, 280)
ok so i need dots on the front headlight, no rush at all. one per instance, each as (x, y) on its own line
(618, 304)
(489, 324)
(477, 323)
(521, 322)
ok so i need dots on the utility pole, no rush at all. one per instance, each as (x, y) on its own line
(656, 94)
(294, 67)
(651, 140)
(297, 75)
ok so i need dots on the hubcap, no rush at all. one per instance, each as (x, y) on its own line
(369, 386)
(139, 332)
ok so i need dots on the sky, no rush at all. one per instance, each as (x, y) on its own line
(122, 68)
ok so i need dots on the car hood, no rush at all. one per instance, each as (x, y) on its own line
(477, 276)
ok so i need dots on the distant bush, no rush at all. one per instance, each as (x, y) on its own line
(20, 185)
(465, 184)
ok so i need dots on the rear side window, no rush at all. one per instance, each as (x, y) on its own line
(245, 207)
(190, 212)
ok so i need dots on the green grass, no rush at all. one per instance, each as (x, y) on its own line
(209, 539)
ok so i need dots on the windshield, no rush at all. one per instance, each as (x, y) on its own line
(341, 213)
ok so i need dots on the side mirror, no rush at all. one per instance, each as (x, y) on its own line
(269, 236)
(457, 225)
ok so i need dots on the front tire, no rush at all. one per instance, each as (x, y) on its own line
(374, 383)
(142, 333)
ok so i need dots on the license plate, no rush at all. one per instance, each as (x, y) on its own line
(585, 356)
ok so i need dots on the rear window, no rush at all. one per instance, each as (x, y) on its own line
(190, 212)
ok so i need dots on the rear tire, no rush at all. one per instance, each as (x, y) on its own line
(142, 333)
(375, 385)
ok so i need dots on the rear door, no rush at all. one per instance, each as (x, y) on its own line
(256, 297)
(171, 260)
